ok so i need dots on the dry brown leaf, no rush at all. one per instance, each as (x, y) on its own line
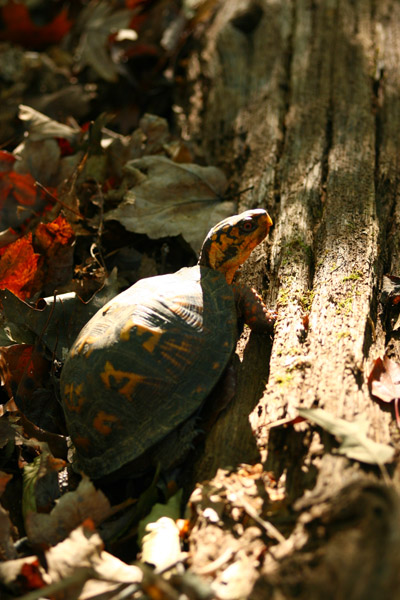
(169, 199)
(97, 22)
(41, 127)
(70, 511)
(77, 568)
(384, 382)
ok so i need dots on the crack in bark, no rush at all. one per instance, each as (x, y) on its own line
(286, 85)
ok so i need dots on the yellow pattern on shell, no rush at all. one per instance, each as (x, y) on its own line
(131, 379)
(102, 422)
(73, 396)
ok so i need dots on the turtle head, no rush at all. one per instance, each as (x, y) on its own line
(231, 241)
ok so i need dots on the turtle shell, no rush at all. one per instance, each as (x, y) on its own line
(145, 363)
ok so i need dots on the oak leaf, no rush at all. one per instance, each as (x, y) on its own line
(166, 198)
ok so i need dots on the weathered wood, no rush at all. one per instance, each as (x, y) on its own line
(301, 99)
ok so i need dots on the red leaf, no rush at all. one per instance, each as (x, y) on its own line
(134, 3)
(25, 373)
(19, 190)
(55, 240)
(19, 268)
(30, 576)
(23, 188)
(65, 147)
(6, 160)
(57, 233)
(19, 27)
(8, 236)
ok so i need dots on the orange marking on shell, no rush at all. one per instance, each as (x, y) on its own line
(82, 443)
(131, 379)
(73, 397)
(216, 365)
(84, 346)
(103, 422)
(126, 330)
(153, 338)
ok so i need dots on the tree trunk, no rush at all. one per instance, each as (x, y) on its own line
(300, 100)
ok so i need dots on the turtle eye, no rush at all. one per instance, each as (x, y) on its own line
(247, 225)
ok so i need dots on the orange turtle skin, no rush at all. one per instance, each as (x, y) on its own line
(141, 368)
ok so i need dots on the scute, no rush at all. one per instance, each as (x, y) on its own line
(145, 363)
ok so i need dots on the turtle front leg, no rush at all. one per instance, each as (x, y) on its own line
(251, 308)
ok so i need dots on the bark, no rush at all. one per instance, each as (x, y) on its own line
(300, 99)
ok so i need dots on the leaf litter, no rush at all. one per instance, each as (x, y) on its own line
(89, 176)
(81, 191)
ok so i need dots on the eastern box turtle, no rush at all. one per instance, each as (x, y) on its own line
(142, 367)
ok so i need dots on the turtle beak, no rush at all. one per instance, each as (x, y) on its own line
(267, 223)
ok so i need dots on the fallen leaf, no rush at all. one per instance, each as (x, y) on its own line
(8, 236)
(7, 159)
(353, 436)
(31, 575)
(161, 545)
(52, 235)
(171, 509)
(18, 198)
(56, 320)
(69, 512)
(19, 28)
(41, 159)
(97, 21)
(20, 268)
(78, 567)
(40, 483)
(55, 241)
(22, 574)
(26, 376)
(384, 382)
(41, 127)
(391, 289)
(170, 199)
